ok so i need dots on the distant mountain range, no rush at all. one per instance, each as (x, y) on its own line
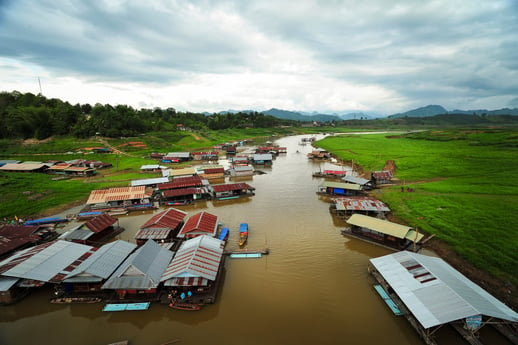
(429, 110)
(432, 110)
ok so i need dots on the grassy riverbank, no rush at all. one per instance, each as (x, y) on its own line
(465, 188)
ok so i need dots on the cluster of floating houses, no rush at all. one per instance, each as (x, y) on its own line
(425, 290)
(176, 260)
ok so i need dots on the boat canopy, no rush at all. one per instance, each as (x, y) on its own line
(243, 227)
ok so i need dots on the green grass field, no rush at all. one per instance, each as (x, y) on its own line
(465, 188)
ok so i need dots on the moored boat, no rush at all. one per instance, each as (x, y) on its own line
(223, 236)
(68, 300)
(243, 233)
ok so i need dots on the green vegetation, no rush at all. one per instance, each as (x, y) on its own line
(465, 188)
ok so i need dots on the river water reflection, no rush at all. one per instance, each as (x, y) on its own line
(313, 288)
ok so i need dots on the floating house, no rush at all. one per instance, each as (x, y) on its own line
(232, 190)
(128, 198)
(162, 227)
(239, 160)
(182, 172)
(393, 235)
(340, 188)
(364, 183)
(319, 154)
(95, 231)
(430, 294)
(202, 223)
(346, 206)
(336, 174)
(231, 149)
(182, 182)
(183, 196)
(210, 172)
(11, 291)
(176, 157)
(46, 263)
(89, 276)
(241, 170)
(149, 182)
(139, 275)
(195, 268)
(262, 159)
(14, 237)
(205, 156)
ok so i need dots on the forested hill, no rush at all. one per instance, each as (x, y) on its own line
(25, 115)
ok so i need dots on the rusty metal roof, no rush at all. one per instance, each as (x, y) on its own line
(181, 182)
(183, 191)
(231, 186)
(155, 234)
(360, 203)
(118, 194)
(101, 222)
(168, 219)
(200, 224)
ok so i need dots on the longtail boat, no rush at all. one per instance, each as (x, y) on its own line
(243, 233)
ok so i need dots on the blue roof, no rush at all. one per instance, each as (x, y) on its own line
(243, 227)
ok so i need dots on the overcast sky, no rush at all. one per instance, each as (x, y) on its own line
(308, 55)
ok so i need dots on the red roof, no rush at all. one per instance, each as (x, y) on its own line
(200, 222)
(231, 186)
(16, 231)
(100, 222)
(214, 171)
(181, 182)
(182, 191)
(169, 218)
(13, 237)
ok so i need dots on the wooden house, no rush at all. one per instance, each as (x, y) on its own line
(241, 170)
(24, 167)
(384, 232)
(176, 157)
(381, 177)
(232, 190)
(262, 159)
(152, 168)
(339, 188)
(319, 154)
(205, 156)
(183, 196)
(211, 172)
(162, 227)
(127, 198)
(346, 206)
(15, 237)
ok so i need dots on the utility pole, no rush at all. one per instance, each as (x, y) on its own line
(39, 82)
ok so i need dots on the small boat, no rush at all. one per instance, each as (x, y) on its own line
(43, 221)
(243, 233)
(223, 236)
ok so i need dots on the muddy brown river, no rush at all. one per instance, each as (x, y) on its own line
(313, 288)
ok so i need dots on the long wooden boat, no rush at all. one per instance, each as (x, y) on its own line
(184, 305)
(243, 233)
(68, 300)
(223, 236)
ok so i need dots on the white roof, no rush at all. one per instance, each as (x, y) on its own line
(149, 181)
(197, 257)
(435, 292)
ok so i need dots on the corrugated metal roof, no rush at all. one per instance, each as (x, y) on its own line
(178, 155)
(22, 166)
(149, 181)
(384, 226)
(262, 157)
(202, 223)
(118, 194)
(197, 257)
(183, 191)
(7, 282)
(102, 263)
(360, 203)
(354, 179)
(187, 281)
(179, 172)
(444, 296)
(142, 270)
(44, 262)
(168, 219)
(342, 185)
(154, 234)
(231, 186)
(181, 182)
(101, 222)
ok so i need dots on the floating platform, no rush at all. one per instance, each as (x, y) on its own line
(126, 306)
(388, 300)
(245, 255)
(260, 252)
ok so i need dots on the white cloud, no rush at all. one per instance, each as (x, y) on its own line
(310, 55)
